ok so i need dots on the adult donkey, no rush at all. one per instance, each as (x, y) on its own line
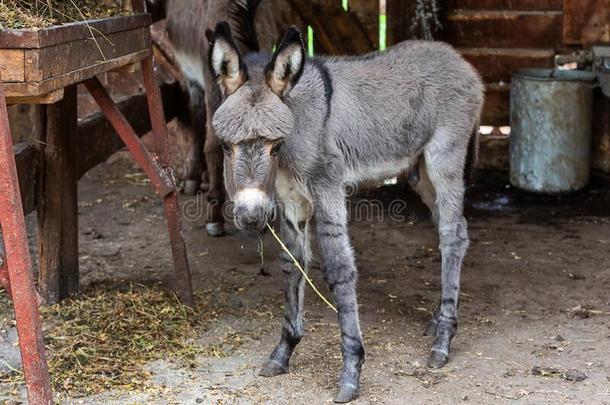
(187, 21)
(304, 127)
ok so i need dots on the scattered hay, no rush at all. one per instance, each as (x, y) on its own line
(103, 339)
(33, 14)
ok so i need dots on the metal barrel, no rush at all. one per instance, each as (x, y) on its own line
(550, 138)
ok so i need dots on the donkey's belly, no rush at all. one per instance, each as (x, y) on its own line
(381, 171)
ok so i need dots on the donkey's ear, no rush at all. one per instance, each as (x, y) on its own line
(286, 66)
(225, 61)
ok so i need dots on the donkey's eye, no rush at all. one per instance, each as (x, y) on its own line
(276, 148)
(227, 148)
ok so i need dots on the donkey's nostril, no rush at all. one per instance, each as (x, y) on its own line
(251, 224)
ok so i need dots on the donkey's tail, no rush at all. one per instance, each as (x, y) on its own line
(243, 15)
(472, 157)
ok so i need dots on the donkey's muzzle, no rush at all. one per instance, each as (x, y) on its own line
(252, 209)
(251, 220)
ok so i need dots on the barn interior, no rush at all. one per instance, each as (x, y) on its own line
(116, 317)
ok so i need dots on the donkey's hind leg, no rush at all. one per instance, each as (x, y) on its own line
(296, 238)
(445, 160)
(424, 188)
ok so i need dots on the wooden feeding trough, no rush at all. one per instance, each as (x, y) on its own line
(38, 64)
(44, 67)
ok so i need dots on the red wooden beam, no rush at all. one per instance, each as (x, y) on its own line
(161, 180)
(19, 270)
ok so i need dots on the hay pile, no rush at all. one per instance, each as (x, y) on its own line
(103, 339)
(33, 14)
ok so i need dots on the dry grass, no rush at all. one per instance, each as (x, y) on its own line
(103, 339)
(33, 14)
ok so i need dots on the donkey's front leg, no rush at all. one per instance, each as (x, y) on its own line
(340, 273)
(296, 238)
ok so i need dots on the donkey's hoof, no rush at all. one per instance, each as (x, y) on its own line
(272, 369)
(431, 328)
(215, 229)
(346, 393)
(437, 359)
(191, 187)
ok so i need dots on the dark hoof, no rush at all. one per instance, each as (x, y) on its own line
(272, 369)
(346, 393)
(191, 187)
(437, 359)
(431, 328)
(215, 229)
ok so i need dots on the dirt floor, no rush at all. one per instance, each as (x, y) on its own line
(534, 313)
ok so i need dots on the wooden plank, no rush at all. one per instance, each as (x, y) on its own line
(57, 202)
(49, 98)
(33, 72)
(498, 29)
(67, 57)
(497, 64)
(586, 22)
(76, 76)
(12, 65)
(497, 105)
(70, 32)
(523, 5)
(337, 32)
(366, 13)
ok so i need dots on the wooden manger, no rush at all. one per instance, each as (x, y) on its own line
(44, 67)
(38, 64)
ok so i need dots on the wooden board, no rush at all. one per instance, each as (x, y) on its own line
(28, 39)
(12, 63)
(586, 22)
(497, 64)
(497, 29)
(17, 90)
(522, 5)
(42, 62)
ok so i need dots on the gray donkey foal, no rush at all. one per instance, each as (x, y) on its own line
(302, 128)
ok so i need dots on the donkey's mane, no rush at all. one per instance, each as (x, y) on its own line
(243, 14)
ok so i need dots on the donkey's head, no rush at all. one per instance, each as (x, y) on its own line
(253, 119)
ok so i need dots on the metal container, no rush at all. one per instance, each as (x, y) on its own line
(550, 138)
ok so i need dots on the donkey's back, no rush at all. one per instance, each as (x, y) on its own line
(387, 105)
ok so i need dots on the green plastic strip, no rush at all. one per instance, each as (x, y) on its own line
(345, 4)
(382, 31)
(310, 50)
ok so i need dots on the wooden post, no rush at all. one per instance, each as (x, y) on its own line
(57, 201)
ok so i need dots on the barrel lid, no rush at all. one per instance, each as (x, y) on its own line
(554, 75)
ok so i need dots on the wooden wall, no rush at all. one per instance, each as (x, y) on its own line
(496, 36)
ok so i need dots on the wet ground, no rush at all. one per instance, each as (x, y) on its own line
(534, 313)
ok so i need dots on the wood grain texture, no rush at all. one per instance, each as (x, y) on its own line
(57, 202)
(497, 29)
(70, 56)
(75, 76)
(12, 64)
(497, 64)
(586, 22)
(70, 32)
(521, 5)
(336, 32)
